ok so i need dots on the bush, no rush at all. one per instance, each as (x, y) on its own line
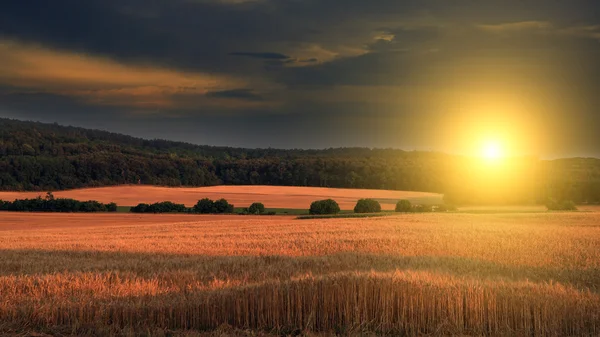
(207, 206)
(404, 206)
(367, 206)
(204, 206)
(159, 207)
(565, 205)
(140, 208)
(422, 208)
(222, 206)
(256, 208)
(51, 204)
(568, 205)
(111, 207)
(328, 206)
(440, 208)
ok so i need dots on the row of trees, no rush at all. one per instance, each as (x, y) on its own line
(330, 206)
(204, 206)
(159, 207)
(51, 204)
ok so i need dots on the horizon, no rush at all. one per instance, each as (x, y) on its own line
(425, 75)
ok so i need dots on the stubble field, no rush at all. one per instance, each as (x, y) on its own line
(495, 274)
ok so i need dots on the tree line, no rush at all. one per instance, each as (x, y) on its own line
(51, 204)
(37, 157)
(203, 206)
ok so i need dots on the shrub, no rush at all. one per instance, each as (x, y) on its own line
(140, 208)
(159, 207)
(111, 207)
(222, 206)
(404, 206)
(256, 208)
(51, 204)
(327, 206)
(205, 206)
(440, 208)
(568, 205)
(367, 206)
(565, 205)
(422, 208)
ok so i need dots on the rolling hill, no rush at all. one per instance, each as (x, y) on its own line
(38, 157)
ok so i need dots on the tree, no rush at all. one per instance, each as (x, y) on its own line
(140, 208)
(404, 206)
(367, 206)
(327, 206)
(423, 208)
(256, 208)
(204, 206)
(222, 206)
(565, 205)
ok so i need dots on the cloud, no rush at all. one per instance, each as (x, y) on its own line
(591, 31)
(101, 80)
(267, 55)
(244, 94)
(578, 31)
(512, 27)
(304, 59)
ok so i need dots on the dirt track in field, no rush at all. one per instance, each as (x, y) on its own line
(240, 196)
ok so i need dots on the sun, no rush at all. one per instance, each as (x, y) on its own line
(492, 151)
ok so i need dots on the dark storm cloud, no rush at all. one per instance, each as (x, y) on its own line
(323, 59)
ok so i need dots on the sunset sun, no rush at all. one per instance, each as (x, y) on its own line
(492, 151)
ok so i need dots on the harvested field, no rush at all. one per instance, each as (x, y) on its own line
(507, 274)
(240, 196)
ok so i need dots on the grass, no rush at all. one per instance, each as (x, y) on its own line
(124, 209)
(406, 274)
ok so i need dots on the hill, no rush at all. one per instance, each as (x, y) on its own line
(37, 157)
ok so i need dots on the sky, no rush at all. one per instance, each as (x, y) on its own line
(440, 75)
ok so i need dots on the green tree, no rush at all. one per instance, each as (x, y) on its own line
(367, 206)
(404, 206)
(205, 206)
(256, 208)
(327, 206)
(222, 206)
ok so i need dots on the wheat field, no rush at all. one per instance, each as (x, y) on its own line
(410, 274)
(241, 196)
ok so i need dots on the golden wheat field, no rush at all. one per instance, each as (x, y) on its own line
(410, 274)
(241, 196)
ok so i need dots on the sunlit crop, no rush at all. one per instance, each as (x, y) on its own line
(413, 273)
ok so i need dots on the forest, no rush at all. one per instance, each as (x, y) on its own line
(45, 157)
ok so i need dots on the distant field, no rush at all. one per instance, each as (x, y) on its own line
(437, 274)
(290, 197)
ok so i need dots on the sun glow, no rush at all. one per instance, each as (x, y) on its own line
(492, 151)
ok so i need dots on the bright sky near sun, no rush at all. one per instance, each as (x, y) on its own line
(492, 150)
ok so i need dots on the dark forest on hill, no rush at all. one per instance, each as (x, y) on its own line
(37, 157)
